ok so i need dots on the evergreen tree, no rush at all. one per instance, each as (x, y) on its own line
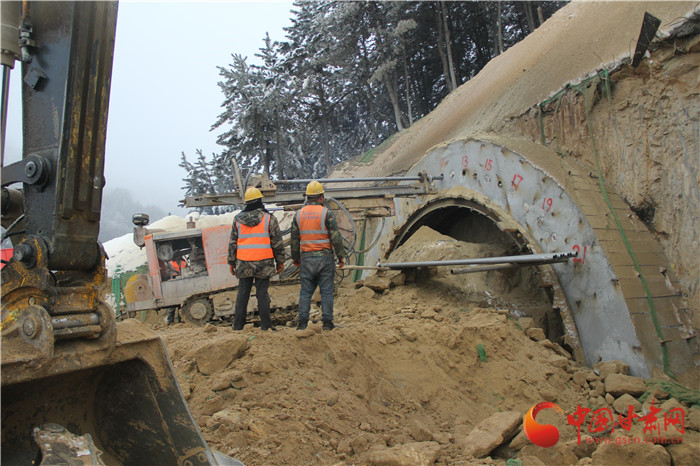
(349, 75)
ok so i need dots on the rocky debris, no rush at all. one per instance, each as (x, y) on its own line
(409, 454)
(400, 381)
(224, 380)
(306, 333)
(584, 448)
(216, 356)
(687, 452)
(618, 384)
(605, 368)
(420, 432)
(658, 393)
(535, 333)
(525, 323)
(261, 367)
(622, 405)
(377, 283)
(692, 418)
(491, 433)
(230, 418)
(630, 453)
(212, 405)
(559, 454)
(397, 278)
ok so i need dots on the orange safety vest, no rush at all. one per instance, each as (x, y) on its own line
(254, 242)
(177, 267)
(313, 233)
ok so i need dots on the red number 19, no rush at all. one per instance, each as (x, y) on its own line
(547, 204)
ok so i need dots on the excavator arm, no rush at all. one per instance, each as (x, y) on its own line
(73, 380)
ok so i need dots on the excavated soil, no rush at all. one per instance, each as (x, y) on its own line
(397, 362)
(409, 372)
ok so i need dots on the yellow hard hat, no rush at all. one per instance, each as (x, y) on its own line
(314, 189)
(252, 194)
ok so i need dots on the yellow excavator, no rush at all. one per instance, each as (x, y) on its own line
(77, 387)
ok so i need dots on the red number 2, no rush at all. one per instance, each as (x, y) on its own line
(580, 259)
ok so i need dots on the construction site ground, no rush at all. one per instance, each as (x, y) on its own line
(416, 363)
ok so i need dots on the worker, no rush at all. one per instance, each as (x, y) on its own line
(254, 248)
(315, 236)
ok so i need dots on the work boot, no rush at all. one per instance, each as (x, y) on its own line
(328, 325)
(302, 324)
(237, 328)
(270, 328)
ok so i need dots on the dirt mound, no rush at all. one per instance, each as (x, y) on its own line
(420, 370)
(518, 290)
(408, 373)
(399, 364)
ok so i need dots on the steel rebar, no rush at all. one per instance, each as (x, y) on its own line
(525, 258)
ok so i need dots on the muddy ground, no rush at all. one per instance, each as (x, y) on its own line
(411, 369)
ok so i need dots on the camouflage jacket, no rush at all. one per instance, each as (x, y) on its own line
(333, 231)
(260, 269)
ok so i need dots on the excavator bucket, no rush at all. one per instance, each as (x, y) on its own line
(126, 398)
(77, 388)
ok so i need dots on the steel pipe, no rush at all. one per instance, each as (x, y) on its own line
(361, 267)
(4, 102)
(525, 258)
(75, 320)
(358, 180)
(89, 331)
(486, 268)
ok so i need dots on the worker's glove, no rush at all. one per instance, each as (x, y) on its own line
(280, 268)
(341, 262)
(297, 263)
(233, 269)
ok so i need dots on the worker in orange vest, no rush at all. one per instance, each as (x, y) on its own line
(314, 239)
(255, 246)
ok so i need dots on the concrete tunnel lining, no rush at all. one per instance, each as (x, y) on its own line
(522, 196)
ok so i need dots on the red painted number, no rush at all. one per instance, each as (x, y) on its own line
(465, 161)
(580, 259)
(547, 204)
(488, 165)
(516, 181)
(443, 162)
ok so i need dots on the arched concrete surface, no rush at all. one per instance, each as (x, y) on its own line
(555, 206)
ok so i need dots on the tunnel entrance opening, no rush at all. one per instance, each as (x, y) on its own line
(457, 228)
(464, 224)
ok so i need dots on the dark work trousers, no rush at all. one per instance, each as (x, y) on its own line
(245, 285)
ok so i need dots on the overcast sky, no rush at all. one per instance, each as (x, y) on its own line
(164, 95)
